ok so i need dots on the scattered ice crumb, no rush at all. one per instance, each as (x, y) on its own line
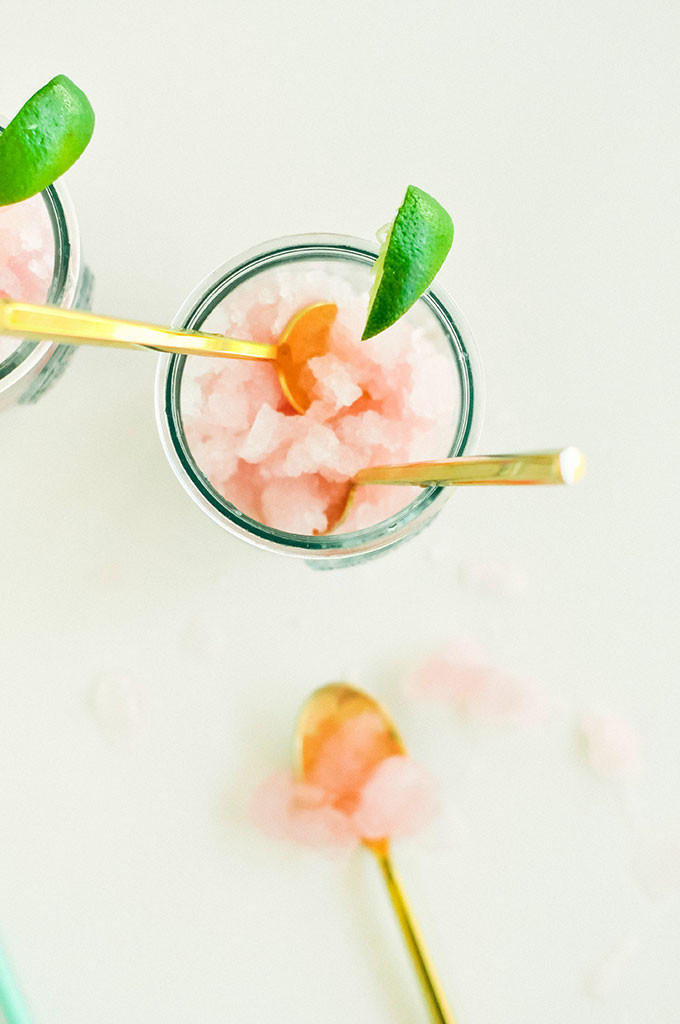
(462, 675)
(656, 861)
(286, 809)
(604, 975)
(398, 800)
(612, 746)
(493, 577)
(117, 705)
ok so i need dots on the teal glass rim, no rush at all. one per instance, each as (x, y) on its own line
(193, 314)
(63, 287)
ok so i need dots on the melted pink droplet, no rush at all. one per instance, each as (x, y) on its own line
(612, 747)
(398, 800)
(513, 699)
(456, 675)
(464, 677)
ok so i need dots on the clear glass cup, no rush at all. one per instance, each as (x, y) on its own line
(340, 549)
(31, 367)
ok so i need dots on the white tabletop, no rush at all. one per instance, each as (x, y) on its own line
(132, 885)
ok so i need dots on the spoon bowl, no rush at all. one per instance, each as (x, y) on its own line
(325, 711)
(305, 336)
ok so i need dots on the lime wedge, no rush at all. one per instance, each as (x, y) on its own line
(47, 135)
(415, 248)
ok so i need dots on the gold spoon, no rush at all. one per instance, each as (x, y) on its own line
(562, 466)
(304, 337)
(323, 712)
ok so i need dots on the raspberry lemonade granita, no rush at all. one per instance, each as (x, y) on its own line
(392, 398)
(376, 360)
(358, 788)
(26, 256)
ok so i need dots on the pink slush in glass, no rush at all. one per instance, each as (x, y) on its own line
(39, 262)
(269, 475)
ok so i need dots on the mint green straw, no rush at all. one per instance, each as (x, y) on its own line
(12, 1007)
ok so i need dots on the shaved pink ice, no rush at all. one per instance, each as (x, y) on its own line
(286, 809)
(397, 800)
(26, 256)
(349, 756)
(357, 793)
(464, 677)
(390, 399)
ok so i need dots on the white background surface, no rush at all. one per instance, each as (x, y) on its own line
(132, 887)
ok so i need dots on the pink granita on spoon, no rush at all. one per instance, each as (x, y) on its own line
(359, 791)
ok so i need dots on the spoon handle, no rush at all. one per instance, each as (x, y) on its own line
(25, 320)
(561, 466)
(439, 1008)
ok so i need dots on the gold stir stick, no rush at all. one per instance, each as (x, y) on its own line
(560, 466)
(304, 337)
(323, 712)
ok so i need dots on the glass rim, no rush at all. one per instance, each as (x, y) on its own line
(64, 283)
(192, 314)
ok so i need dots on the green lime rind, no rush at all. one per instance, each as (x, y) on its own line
(417, 245)
(44, 139)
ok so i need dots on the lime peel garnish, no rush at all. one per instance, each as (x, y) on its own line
(409, 259)
(44, 139)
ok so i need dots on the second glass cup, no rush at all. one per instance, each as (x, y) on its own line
(345, 259)
(47, 225)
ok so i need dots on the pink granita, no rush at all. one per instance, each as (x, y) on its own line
(26, 256)
(391, 399)
(358, 790)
